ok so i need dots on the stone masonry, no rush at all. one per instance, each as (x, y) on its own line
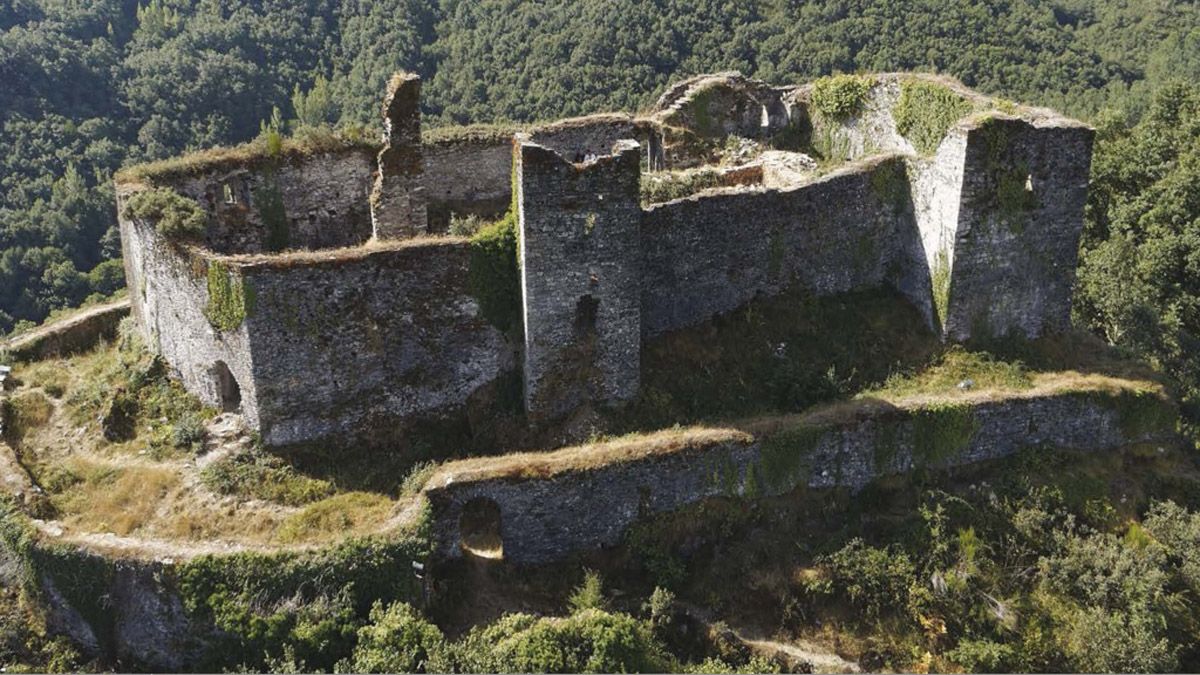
(580, 277)
(398, 200)
(980, 235)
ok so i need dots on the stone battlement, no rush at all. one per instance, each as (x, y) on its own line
(324, 301)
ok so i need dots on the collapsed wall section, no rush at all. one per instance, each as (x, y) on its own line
(580, 277)
(1020, 216)
(184, 303)
(467, 175)
(359, 345)
(566, 503)
(306, 201)
(710, 254)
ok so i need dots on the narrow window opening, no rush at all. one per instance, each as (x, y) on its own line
(480, 528)
(587, 309)
(229, 193)
(229, 394)
(1029, 183)
(766, 118)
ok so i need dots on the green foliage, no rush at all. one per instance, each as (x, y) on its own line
(1141, 413)
(259, 475)
(784, 459)
(841, 96)
(953, 367)
(589, 594)
(940, 278)
(175, 217)
(396, 640)
(230, 298)
(873, 580)
(495, 274)
(591, 641)
(941, 431)
(926, 111)
(1138, 283)
(309, 601)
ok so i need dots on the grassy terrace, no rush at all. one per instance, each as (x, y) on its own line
(120, 448)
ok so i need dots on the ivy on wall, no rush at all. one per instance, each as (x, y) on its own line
(230, 298)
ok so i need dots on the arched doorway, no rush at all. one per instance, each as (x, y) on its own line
(480, 528)
(229, 394)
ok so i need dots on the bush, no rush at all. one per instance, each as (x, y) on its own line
(397, 640)
(984, 656)
(926, 111)
(259, 475)
(841, 95)
(175, 217)
(589, 641)
(494, 275)
(589, 594)
(874, 580)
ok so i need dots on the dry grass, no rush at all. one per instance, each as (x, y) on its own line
(335, 517)
(113, 498)
(636, 447)
(246, 154)
(338, 256)
(585, 457)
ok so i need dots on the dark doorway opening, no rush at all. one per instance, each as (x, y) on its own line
(229, 394)
(479, 525)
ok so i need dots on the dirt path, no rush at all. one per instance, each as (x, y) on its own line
(802, 651)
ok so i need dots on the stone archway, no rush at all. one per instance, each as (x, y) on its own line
(480, 527)
(229, 393)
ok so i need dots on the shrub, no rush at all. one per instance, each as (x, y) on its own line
(984, 656)
(589, 641)
(926, 111)
(589, 594)
(397, 640)
(230, 298)
(465, 226)
(840, 96)
(495, 275)
(258, 475)
(666, 186)
(874, 580)
(176, 217)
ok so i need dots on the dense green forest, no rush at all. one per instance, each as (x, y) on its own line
(91, 86)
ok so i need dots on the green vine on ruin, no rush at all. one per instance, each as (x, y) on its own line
(230, 298)
(941, 431)
(494, 276)
(840, 96)
(939, 275)
(926, 111)
(785, 458)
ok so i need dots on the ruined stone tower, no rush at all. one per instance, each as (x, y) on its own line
(398, 200)
(580, 276)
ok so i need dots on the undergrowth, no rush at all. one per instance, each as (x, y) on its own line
(926, 111)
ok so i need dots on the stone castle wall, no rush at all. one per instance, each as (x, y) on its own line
(346, 347)
(1020, 217)
(710, 254)
(580, 277)
(168, 290)
(560, 512)
(315, 201)
(472, 177)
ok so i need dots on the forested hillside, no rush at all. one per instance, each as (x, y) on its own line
(91, 86)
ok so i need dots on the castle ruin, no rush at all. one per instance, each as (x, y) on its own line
(327, 303)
